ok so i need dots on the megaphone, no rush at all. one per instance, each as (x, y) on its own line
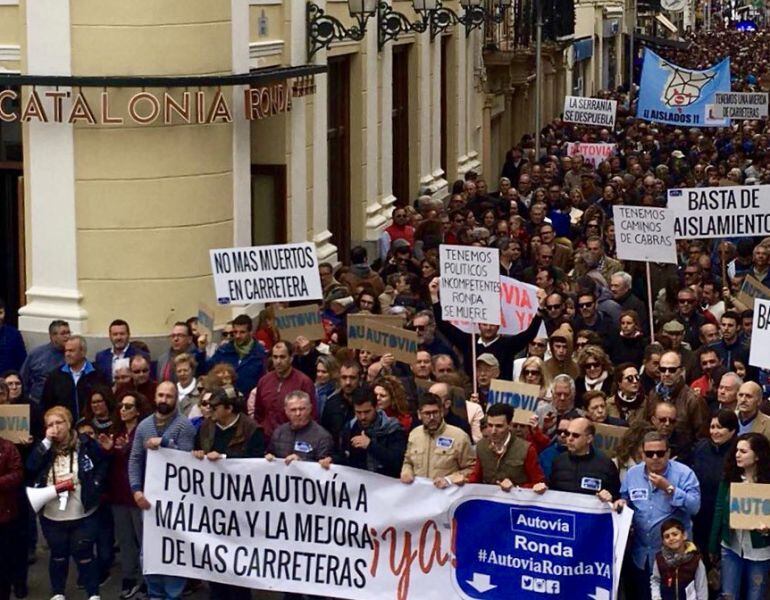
(39, 497)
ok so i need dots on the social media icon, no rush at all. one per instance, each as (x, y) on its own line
(527, 583)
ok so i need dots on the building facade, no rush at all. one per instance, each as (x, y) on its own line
(115, 217)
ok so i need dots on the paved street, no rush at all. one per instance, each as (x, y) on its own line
(39, 589)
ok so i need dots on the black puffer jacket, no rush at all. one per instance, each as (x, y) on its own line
(585, 474)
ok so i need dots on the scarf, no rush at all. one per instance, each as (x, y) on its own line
(663, 391)
(595, 384)
(674, 559)
(243, 351)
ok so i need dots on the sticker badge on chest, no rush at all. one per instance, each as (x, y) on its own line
(303, 447)
(591, 483)
(444, 442)
(639, 494)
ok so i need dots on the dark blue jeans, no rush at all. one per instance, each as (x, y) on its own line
(105, 540)
(76, 539)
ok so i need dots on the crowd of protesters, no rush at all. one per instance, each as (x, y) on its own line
(694, 409)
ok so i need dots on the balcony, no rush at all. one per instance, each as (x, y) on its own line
(516, 32)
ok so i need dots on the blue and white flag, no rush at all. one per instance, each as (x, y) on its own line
(678, 96)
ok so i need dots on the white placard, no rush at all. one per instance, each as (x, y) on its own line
(279, 273)
(644, 233)
(590, 111)
(740, 105)
(470, 284)
(717, 212)
(593, 154)
(759, 355)
(518, 307)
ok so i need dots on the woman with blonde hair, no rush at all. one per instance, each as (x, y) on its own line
(595, 373)
(533, 372)
(77, 467)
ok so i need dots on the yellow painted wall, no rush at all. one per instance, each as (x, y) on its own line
(151, 200)
(10, 33)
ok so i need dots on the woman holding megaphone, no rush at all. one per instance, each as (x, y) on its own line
(69, 473)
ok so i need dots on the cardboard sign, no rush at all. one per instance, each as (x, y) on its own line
(593, 154)
(205, 320)
(644, 233)
(392, 320)
(300, 321)
(14, 422)
(608, 437)
(740, 105)
(517, 394)
(470, 284)
(719, 212)
(749, 505)
(590, 111)
(522, 416)
(759, 353)
(751, 290)
(379, 338)
(282, 273)
(518, 306)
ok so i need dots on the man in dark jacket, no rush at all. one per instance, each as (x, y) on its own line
(243, 353)
(71, 385)
(120, 348)
(583, 469)
(372, 441)
(338, 409)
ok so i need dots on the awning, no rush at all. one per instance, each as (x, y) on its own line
(659, 42)
(256, 78)
(660, 18)
(583, 48)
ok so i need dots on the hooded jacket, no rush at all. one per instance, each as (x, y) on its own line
(555, 367)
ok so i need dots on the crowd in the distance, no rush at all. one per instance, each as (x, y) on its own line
(694, 409)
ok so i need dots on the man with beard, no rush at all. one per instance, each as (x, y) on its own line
(430, 340)
(692, 410)
(165, 428)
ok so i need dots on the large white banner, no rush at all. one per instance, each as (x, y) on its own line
(348, 533)
(282, 273)
(716, 212)
(518, 306)
(644, 233)
(470, 283)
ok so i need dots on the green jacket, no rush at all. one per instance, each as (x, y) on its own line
(720, 526)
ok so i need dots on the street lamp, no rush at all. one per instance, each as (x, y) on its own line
(391, 24)
(323, 29)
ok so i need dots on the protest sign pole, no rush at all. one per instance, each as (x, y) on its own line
(650, 301)
(473, 354)
(723, 255)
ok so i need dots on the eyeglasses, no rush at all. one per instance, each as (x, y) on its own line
(204, 404)
(655, 453)
(538, 344)
(554, 306)
(127, 406)
(631, 378)
(419, 327)
(581, 344)
(585, 304)
(666, 419)
(200, 389)
(668, 369)
(178, 335)
(592, 365)
(572, 435)
(531, 372)
(434, 414)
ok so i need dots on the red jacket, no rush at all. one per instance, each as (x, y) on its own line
(11, 480)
